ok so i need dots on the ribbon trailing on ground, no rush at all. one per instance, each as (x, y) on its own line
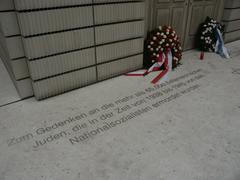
(163, 53)
(163, 64)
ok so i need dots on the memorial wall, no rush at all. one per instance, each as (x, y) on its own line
(231, 18)
(63, 45)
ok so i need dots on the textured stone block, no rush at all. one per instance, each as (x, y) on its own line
(20, 68)
(54, 65)
(117, 32)
(119, 50)
(50, 44)
(39, 22)
(9, 23)
(66, 82)
(39, 4)
(119, 67)
(109, 13)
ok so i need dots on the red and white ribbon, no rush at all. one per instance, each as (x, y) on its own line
(164, 60)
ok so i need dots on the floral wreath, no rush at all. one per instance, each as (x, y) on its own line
(206, 38)
(159, 41)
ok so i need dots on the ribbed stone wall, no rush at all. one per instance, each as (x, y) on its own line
(67, 44)
(231, 18)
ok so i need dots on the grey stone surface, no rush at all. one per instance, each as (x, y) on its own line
(119, 50)
(232, 25)
(20, 68)
(17, 70)
(24, 88)
(117, 32)
(8, 92)
(13, 46)
(112, 1)
(59, 64)
(50, 44)
(232, 3)
(39, 4)
(231, 16)
(192, 137)
(232, 36)
(6, 5)
(110, 13)
(38, 22)
(66, 82)
(119, 67)
(9, 24)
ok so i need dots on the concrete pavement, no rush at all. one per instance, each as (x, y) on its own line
(125, 128)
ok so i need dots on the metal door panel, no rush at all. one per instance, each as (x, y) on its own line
(195, 19)
(198, 11)
(184, 16)
(162, 17)
(170, 12)
(178, 16)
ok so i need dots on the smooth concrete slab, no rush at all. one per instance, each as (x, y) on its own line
(8, 92)
(126, 128)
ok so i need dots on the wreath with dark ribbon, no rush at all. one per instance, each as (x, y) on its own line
(210, 37)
